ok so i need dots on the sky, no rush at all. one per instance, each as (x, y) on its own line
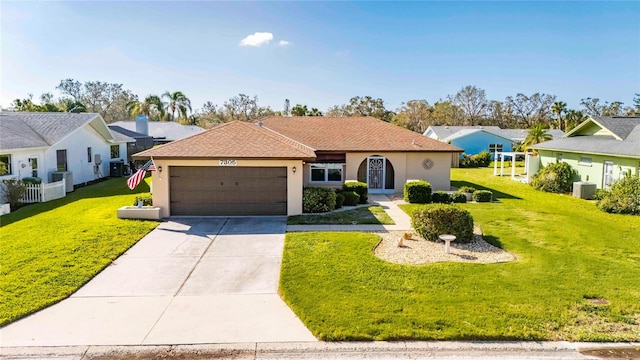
(324, 53)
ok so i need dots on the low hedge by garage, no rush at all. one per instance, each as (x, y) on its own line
(318, 200)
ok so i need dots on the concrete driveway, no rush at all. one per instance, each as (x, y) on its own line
(189, 281)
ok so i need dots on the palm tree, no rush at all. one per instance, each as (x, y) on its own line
(177, 101)
(151, 104)
(573, 118)
(558, 108)
(537, 134)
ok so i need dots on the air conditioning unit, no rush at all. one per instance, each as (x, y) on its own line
(67, 176)
(584, 190)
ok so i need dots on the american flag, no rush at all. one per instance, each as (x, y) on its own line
(135, 179)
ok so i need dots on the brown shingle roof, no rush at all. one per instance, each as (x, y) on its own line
(353, 134)
(233, 140)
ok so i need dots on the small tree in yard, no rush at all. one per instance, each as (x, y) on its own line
(437, 219)
(14, 191)
(623, 198)
(555, 178)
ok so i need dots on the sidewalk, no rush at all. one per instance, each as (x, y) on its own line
(401, 219)
(458, 350)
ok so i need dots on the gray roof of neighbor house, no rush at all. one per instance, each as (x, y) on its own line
(445, 133)
(127, 133)
(120, 137)
(167, 130)
(627, 128)
(23, 130)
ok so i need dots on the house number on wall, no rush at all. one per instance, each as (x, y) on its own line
(228, 162)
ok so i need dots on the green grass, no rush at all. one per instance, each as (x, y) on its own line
(51, 249)
(569, 252)
(361, 215)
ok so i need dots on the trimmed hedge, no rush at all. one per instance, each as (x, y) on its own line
(458, 197)
(339, 200)
(467, 189)
(623, 198)
(359, 188)
(482, 159)
(555, 178)
(482, 196)
(437, 219)
(440, 197)
(318, 200)
(417, 192)
(351, 198)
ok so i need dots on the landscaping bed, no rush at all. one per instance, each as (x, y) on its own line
(344, 216)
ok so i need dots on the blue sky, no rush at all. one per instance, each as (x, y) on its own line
(396, 51)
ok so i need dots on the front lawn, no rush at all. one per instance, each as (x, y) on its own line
(51, 249)
(361, 215)
(576, 277)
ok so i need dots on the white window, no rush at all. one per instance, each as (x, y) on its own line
(495, 147)
(326, 172)
(585, 160)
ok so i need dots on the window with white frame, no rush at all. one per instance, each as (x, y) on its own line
(115, 151)
(495, 147)
(326, 172)
(5, 164)
(585, 160)
(558, 157)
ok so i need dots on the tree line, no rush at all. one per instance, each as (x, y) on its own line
(469, 106)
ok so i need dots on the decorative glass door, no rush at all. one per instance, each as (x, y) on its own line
(375, 174)
(607, 179)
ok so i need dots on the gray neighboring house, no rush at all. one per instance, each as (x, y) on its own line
(601, 149)
(139, 142)
(162, 132)
(46, 144)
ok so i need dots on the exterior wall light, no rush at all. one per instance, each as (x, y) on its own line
(294, 169)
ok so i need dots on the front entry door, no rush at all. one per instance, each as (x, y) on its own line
(607, 179)
(375, 174)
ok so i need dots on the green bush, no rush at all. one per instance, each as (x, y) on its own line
(339, 200)
(482, 159)
(458, 197)
(351, 198)
(482, 196)
(147, 200)
(441, 197)
(32, 180)
(555, 178)
(359, 188)
(600, 194)
(467, 189)
(437, 219)
(623, 198)
(14, 191)
(318, 200)
(417, 192)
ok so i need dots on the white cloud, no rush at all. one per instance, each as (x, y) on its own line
(257, 39)
(284, 43)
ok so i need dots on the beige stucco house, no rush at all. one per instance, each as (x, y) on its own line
(261, 168)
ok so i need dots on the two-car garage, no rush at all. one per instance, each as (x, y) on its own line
(227, 190)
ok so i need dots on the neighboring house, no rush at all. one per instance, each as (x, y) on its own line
(601, 149)
(475, 139)
(139, 142)
(261, 168)
(39, 144)
(162, 132)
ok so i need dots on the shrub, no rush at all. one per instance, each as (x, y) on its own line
(417, 192)
(555, 178)
(482, 159)
(600, 194)
(318, 200)
(458, 198)
(482, 196)
(440, 197)
(351, 198)
(339, 200)
(467, 189)
(147, 200)
(359, 188)
(32, 180)
(623, 198)
(14, 191)
(437, 219)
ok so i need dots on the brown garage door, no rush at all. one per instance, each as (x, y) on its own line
(228, 191)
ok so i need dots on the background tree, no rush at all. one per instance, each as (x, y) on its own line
(536, 134)
(152, 107)
(337, 111)
(473, 102)
(287, 108)
(572, 118)
(558, 108)
(530, 110)
(414, 115)
(299, 110)
(108, 99)
(500, 114)
(177, 101)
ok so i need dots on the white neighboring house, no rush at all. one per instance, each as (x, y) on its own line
(40, 144)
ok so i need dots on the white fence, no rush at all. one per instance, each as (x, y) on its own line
(44, 192)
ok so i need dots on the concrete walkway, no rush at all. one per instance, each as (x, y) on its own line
(401, 219)
(189, 281)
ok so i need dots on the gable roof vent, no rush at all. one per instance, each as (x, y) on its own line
(260, 123)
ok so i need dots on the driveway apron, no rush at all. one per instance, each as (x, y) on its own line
(191, 280)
